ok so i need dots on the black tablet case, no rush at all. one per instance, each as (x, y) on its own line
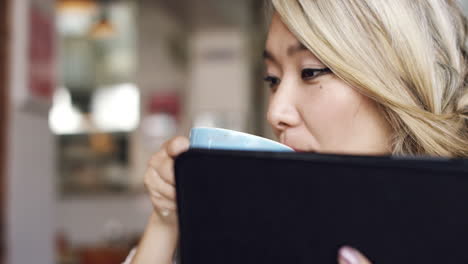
(252, 207)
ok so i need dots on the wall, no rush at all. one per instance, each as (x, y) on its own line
(220, 89)
(30, 176)
(30, 213)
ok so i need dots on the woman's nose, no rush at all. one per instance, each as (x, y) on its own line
(282, 109)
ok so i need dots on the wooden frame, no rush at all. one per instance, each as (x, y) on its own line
(4, 114)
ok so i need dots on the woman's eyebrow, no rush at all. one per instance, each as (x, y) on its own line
(295, 48)
(268, 56)
(290, 51)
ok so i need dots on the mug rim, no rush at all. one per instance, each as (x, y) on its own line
(230, 131)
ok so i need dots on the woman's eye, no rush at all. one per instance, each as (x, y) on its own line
(308, 74)
(272, 81)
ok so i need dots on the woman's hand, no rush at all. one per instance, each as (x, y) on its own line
(159, 241)
(160, 182)
(349, 255)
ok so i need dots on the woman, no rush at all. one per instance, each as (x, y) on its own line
(349, 76)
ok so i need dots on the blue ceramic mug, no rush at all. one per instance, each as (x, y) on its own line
(218, 138)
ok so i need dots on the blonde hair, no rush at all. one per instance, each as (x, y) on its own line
(409, 56)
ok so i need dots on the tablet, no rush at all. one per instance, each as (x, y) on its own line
(259, 207)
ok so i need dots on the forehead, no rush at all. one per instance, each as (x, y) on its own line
(279, 35)
(282, 44)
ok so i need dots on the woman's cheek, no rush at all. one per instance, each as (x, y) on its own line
(330, 112)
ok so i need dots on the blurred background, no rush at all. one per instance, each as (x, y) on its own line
(89, 89)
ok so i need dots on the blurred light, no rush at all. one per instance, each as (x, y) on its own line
(121, 62)
(63, 117)
(159, 125)
(103, 29)
(76, 5)
(73, 23)
(75, 17)
(116, 108)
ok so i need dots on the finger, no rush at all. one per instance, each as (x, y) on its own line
(150, 178)
(177, 145)
(157, 159)
(153, 185)
(165, 189)
(162, 204)
(166, 171)
(164, 208)
(349, 255)
(158, 187)
(169, 149)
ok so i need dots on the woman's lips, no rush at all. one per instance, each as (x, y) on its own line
(284, 140)
(296, 149)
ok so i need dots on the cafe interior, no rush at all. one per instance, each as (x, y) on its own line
(89, 90)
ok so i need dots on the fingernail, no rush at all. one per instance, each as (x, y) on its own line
(165, 213)
(348, 255)
(157, 195)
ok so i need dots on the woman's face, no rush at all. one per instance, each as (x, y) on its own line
(316, 111)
